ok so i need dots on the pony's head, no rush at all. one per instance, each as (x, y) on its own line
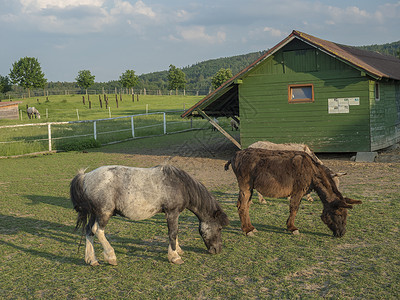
(335, 215)
(38, 115)
(210, 231)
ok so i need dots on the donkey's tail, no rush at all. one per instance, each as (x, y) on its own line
(79, 200)
(227, 165)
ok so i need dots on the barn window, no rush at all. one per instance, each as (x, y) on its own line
(300, 93)
(377, 92)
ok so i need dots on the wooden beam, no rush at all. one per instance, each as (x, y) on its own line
(219, 128)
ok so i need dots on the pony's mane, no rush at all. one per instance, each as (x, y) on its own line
(197, 194)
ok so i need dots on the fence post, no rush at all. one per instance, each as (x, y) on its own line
(109, 111)
(47, 113)
(133, 127)
(165, 124)
(49, 134)
(147, 109)
(77, 114)
(95, 130)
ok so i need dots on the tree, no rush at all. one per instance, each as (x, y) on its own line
(28, 74)
(176, 78)
(128, 79)
(85, 79)
(5, 84)
(220, 77)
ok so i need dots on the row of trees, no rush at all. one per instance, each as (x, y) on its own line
(27, 73)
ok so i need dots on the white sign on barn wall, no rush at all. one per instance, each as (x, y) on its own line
(341, 105)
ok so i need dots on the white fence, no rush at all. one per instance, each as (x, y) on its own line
(113, 130)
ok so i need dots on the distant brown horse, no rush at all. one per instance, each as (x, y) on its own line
(288, 173)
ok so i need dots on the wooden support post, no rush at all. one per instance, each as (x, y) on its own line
(220, 129)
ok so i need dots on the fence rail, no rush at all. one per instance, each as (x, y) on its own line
(48, 92)
(102, 131)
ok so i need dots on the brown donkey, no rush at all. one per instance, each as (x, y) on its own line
(280, 174)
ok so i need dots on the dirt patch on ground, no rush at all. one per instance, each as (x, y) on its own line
(205, 161)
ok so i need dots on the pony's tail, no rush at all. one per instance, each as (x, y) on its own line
(79, 200)
(227, 165)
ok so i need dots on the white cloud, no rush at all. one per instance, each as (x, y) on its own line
(274, 32)
(31, 5)
(198, 34)
(126, 8)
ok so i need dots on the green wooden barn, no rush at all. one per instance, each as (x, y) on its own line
(332, 97)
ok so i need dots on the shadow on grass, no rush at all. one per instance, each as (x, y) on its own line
(62, 234)
(59, 201)
(52, 235)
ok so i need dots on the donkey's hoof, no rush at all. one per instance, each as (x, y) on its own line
(112, 262)
(251, 233)
(296, 232)
(177, 261)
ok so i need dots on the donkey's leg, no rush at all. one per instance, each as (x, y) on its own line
(243, 205)
(261, 198)
(173, 249)
(294, 207)
(109, 254)
(90, 256)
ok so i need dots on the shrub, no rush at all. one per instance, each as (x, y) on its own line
(78, 145)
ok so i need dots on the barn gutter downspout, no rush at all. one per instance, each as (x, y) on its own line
(219, 128)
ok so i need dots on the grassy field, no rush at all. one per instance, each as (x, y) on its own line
(30, 139)
(40, 256)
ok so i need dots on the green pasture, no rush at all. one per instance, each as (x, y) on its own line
(40, 257)
(64, 107)
(31, 139)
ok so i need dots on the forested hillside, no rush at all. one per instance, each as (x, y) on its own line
(388, 49)
(199, 75)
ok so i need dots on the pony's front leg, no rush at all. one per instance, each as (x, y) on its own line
(109, 254)
(294, 207)
(243, 205)
(173, 249)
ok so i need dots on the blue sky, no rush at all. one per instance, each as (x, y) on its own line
(108, 37)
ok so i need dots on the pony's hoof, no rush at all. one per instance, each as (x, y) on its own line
(177, 261)
(296, 232)
(94, 263)
(112, 262)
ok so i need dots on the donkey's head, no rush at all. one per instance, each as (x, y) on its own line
(334, 215)
(210, 231)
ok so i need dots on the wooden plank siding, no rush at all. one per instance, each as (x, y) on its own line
(9, 111)
(385, 115)
(266, 114)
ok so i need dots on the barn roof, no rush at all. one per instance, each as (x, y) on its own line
(8, 103)
(376, 65)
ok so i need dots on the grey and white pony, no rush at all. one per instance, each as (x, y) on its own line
(138, 194)
(32, 111)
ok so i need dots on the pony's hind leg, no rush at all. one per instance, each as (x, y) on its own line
(90, 256)
(109, 254)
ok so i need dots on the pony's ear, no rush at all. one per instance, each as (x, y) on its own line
(352, 201)
(221, 217)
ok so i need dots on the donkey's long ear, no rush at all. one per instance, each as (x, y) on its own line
(341, 204)
(352, 201)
